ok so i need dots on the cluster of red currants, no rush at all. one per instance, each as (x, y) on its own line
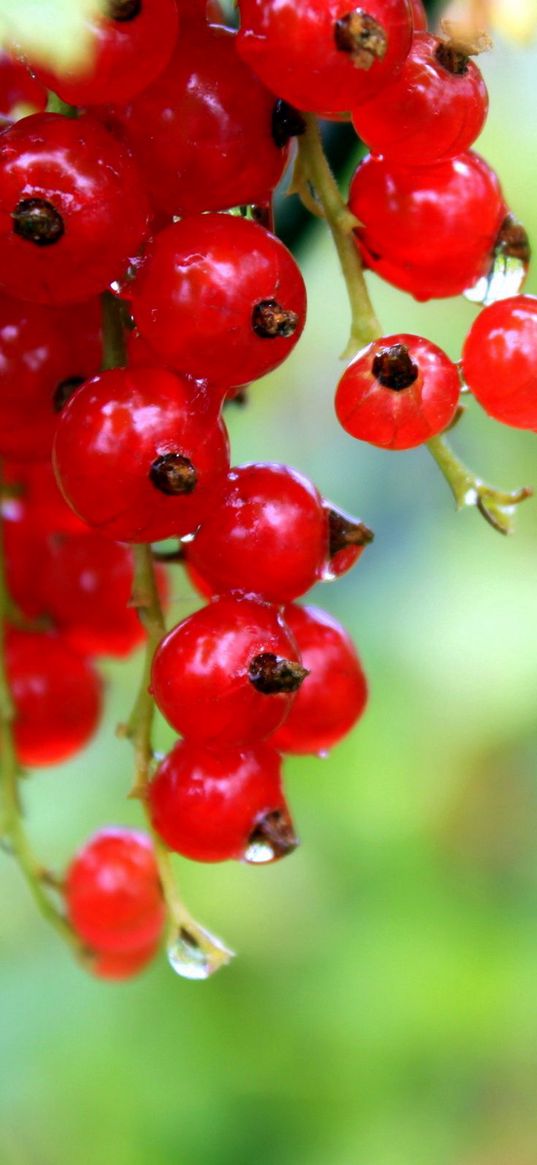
(117, 200)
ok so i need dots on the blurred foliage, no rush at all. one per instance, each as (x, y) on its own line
(52, 32)
(382, 1010)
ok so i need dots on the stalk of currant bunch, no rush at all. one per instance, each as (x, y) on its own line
(192, 951)
(318, 189)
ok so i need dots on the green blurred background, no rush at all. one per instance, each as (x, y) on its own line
(383, 1007)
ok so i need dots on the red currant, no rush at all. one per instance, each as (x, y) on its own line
(138, 452)
(20, 93)
(123, 965)
(213, 806)
(500, 361)
(227, 674)
(113, 894)
(398, 392)
(72, 208)
(220, 298)
(334, 693)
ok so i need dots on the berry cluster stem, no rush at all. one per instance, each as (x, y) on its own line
(495, 505)
(313, 169)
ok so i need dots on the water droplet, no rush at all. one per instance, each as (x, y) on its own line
(273, 838)
(197, 955)
(327, 573)
(509, 266)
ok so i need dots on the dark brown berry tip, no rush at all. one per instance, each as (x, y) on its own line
(64, 391)
(394, 368)
(38, 221)
(271, 321)
(173, 474)
(344, 532)
(124, 10)
(271, 675)
(273, 838)
(513, 241)
(362, 37)
(287, 123)
(452, 58)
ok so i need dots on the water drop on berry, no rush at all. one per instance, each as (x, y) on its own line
(197, 956)
(509, 266)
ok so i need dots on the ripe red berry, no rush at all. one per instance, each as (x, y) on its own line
(213, 806)
(57, 697)
(323, 55)
(39, 489)
(398, 392)
(72, 208)
(203, 132)
(219, 298)
(20, 93)
(131, 44)
(124, 964)
(138, 452)
(266, 533)
(227, 674)
(334, 693)
(419, 14)
(500, 361)
(113, 894)
(435, 107)
(24, 545)
(85, 588)
(432, 230)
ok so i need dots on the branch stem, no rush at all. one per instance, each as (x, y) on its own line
(495, 505)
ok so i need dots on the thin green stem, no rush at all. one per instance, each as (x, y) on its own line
(495, 505)
(313, 169)
(114, 349)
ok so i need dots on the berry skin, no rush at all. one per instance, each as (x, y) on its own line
(430, 231)
(123, 965)
(219, 298)
(72, 209)
(138, 452)
(435, 108)
(500, 361)
(113, 894)
(333, 695)
(202, 133)
(398, 392)
(57, 697)
(323, 55)
(131, 46)
(213, 806)
(85, 588)
(20, 93)
(227, 675)
(266, 533)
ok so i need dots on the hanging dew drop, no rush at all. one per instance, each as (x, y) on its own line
(509, 266)
(197, 956)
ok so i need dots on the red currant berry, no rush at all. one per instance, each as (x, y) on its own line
(435, 107)
(220, 298)
(419, 14)
(267, 533)
(398, 392)
(334, 693)
(213, 806)
(131, 44)
(323, 55)
(123, 965)
(203, 132)
(72, 208)
(57, 697)
(500, 361)
(138, 452)
(20, 93)
(24, 545)
(227, 675)
(113, 894)
(347, 540)
(47, 506)
(85, 588)
(430, 231)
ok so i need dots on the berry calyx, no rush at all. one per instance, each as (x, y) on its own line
(272, 675)
(270, 319)
(173, 474)
(362, 37)
(347, 539)
(272, 838)
(38, 221)
(394, 368)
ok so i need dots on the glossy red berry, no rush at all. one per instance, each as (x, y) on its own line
(419, 14)
(39, 489)
(73, 209)
(435, 108)
(131, 43)
(25, 544)
(85, 588)
(57, 697)
(429, 230)
(203, 133)
(122, 965)
(227, 675)
(334, 693)
(324, 55)
(397, 392)
(500, 361)
(213, 806)
(220, 298)
(266, 533)
(138, 452)
(113, 894)
(20, 93)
